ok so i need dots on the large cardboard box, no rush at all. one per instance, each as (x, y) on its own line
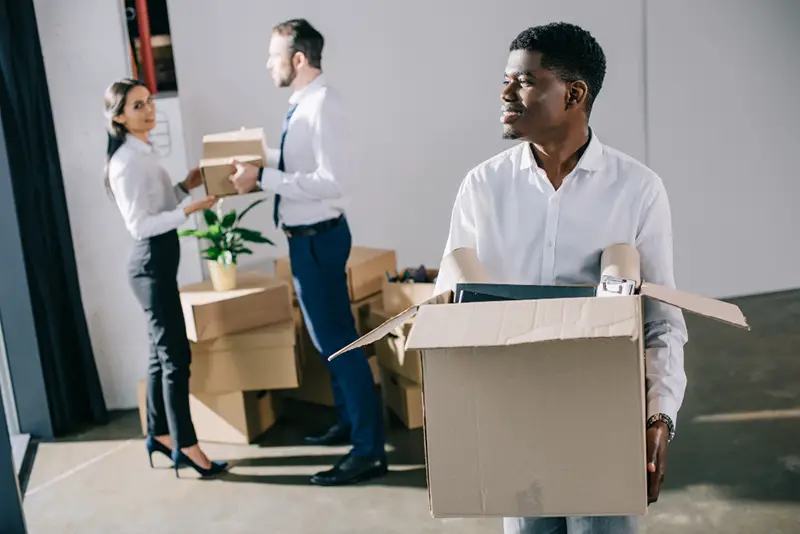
(239, 418)
(366, 270)
(512, 389)
(404, 398)
(398, 296)
(391, 350)
(246, 146)
(259, 300)
(261, 359)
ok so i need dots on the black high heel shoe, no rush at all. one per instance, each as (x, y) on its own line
(181, 459)
(153, 445)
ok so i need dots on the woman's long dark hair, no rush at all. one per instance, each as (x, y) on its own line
(115, 100)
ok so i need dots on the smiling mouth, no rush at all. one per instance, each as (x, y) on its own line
(509, 116)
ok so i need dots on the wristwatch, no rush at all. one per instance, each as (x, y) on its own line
(664, 418)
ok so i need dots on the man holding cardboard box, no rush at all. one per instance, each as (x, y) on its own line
(542, 212)
(309, 205)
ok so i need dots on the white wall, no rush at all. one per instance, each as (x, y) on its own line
(422, 79)
(84, 50)
(724, 131)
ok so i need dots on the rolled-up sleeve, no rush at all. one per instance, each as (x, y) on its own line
(664, 326)
(329, 140)
(131, 189)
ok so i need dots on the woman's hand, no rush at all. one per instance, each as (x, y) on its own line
(200, 205)
(193, 179)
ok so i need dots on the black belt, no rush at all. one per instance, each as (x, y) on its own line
(313, 229)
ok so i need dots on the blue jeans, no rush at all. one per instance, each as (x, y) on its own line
(320, 280)
(571, 525)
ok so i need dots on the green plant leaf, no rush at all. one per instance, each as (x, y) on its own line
(229, 220)
(248, 208)
(210, 217)
(252, 235)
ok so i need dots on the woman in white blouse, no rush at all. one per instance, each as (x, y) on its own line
(151, 208)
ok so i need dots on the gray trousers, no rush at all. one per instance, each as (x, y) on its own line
(571, 525)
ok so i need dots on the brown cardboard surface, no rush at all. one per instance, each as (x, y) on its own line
(219, 149)
(259, 300)
(504, 383)
(392, 354)
(506, 429)
(398, 296)
(707, 307)
(239, 417)
(404, 398)
(366, 270)
(260, 359)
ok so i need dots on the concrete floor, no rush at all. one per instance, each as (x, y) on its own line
(734, 467)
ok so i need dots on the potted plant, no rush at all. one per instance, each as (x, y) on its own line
(226, 241)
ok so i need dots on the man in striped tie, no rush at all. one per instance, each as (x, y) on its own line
(307, 175)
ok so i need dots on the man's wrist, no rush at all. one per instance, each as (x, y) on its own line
(182, 186)
(666, 420)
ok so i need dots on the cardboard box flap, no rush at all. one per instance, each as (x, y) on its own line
(461, 266)
(254, 159)
(707, 307)
(502, 323)
(393, 323)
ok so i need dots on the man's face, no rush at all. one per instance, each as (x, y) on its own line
(280, 64)
(534, 99)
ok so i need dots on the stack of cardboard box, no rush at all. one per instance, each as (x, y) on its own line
(243, 349)
(366, 271)
(401, 369)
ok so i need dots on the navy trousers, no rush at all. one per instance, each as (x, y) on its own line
(318, 268)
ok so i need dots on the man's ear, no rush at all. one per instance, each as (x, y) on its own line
(577, 93)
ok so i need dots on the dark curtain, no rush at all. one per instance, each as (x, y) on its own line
(73, 387)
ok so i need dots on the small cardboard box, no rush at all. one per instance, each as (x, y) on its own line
(391, 350)
(366, 271)
(404, 398)
(512, 388)
(399, 296)
(238, 418)
(261, 359)
(246, 146)
(259, 300)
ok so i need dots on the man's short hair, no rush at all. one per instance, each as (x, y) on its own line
(305, 38)
(569, 51)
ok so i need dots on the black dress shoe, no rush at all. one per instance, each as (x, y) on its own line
(336, 435)
(351, 470)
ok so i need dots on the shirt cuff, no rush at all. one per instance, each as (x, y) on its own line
(270, 178)
(273, 157)
(664, 405)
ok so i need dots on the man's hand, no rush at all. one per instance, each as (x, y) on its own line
(245, 178)
(656, 439)
(193, 179)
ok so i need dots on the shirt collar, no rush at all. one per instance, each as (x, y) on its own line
(591, 160)
(315, 84)
(138, 145)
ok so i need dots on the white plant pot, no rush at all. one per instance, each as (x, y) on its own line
(223, 276)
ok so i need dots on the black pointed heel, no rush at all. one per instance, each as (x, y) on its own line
(180, 459)
(153, 445)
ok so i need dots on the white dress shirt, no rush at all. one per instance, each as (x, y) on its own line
(316, 158)
(146, 198)
(526, 232)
